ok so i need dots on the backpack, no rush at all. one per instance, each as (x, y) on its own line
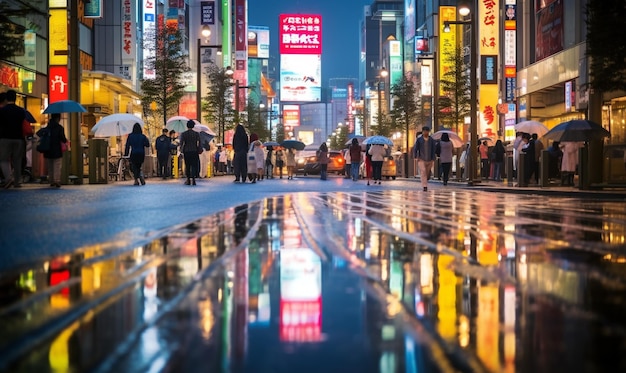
(43, 143)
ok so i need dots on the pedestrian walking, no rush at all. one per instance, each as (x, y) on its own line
(240, 148)
(54, 155)
(378, 152)
(291, 162)
(445, 150)
(483, 151)
(538, 150)
(190, 145)
(424, 152)
(554, 163)
(322, 159)
(269, 162)
(12, 145)
(569, 162)
(280, 161)
(355, 159)
(498, 160)
(259, 158)
(463, 161)
(136, 145)
(528, 157)
(163, 145)
(222, 160)
(347, 170)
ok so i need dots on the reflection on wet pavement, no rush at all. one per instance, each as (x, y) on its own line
(388, 281)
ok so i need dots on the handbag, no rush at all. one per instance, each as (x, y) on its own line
(27, 129)
(65, 146)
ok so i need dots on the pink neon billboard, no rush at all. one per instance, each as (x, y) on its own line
(300, 33)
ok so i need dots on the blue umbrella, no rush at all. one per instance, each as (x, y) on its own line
(293, 144)
(64, 106)
(377, 140)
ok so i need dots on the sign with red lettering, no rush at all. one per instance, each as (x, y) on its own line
(58, 79)
(300, 34)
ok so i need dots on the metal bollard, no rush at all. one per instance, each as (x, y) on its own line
(521, 170)
(175, 166)
(509, 170)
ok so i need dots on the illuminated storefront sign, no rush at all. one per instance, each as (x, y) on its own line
(291, 115)
(58, 80)
(58, 37)
(149, 32)
(489, 47)
(258, 42)
(447, 42)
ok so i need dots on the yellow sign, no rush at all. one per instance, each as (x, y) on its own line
(447, 41)
(488, 102)
(58, 37)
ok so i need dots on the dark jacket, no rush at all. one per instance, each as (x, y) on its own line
(355, 153)
(57, 136)
(419, 151)
(11, 118)
(189, 141)
(136, 142)
(163, 145)
(240, 140)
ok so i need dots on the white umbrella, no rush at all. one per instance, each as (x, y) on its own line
(199, 127)
(116, 125)
(177, 123)
(457, 142)
(531, 126)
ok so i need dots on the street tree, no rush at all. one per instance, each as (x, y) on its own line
(454, 102)
(255, 120)
(339, 138)
(606, 44)
(405, 110)
(169, 64)
(218, 103)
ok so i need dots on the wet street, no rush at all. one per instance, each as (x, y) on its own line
(354, 280)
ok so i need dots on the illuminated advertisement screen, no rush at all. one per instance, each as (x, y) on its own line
(300, 33)
(300, 77)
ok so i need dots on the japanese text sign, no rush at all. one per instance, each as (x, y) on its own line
(300, 34)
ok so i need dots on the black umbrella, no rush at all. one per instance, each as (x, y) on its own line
(293, 144)
(576, 130)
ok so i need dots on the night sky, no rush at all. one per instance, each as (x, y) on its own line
(340, 32)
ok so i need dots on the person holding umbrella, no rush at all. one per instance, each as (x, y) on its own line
(136, 145)
(54, 155)
(444, 151)
(190, 146)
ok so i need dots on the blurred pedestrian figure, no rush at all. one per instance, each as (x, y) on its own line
(368, 164)
(498, 152)
(163, 145)
(554, 163)
(12, 145)
(378, 153)
(446, 149)
(463, 161)
(259, 159)
(347, 162)
(269, 163)
(355, 158)
(54, 156)
(322, 159)
(528, 157)
(291, 163)
(424, 152)
(538, 150)
(136, 145)
(483, 151)
(240, 147)
(569, 162)
(174, 153)
(222, 160)
(190, 145)
(280, 161)
(517, 148)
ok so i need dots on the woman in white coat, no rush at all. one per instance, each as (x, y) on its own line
(569, 162)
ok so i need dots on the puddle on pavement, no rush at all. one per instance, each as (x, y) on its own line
(387, 281)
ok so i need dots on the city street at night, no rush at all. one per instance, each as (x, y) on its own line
(311, 276)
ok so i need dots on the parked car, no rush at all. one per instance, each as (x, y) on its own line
(336, 164)
(390, 169)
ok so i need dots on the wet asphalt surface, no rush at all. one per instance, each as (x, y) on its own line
(310, 276)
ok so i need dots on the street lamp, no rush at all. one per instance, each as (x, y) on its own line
(465, 10)
(382, 75)
(206, 34)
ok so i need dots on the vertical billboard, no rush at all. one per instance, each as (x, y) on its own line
(291, 115)
(300, 45)
(241, 50)
(300, 77)
(447, 42)
(489, 47)
(149, 33)
(549, 37)
(129, 39)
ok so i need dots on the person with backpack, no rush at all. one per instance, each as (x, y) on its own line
(50, 139)
(136, 145)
